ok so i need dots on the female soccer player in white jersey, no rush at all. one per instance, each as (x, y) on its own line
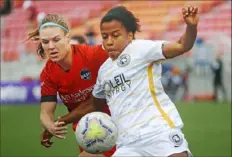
(130, 82)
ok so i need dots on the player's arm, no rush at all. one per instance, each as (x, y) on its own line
(52, 128)
(186, 42)
(47, 110)
(95, 55)
(84, 108)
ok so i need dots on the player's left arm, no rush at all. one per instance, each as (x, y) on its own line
(186, 42)
(90, 105)
(83, 109)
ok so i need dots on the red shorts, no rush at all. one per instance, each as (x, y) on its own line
(107, 154)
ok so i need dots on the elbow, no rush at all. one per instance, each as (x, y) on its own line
(189, 48)
(174, 54)
(170, 57)
(186, 49)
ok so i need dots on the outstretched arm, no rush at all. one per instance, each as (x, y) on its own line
(88, 106)
(56, 128)
(52, 128)
(186, 41)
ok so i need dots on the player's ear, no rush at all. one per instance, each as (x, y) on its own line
(130, 36)
(68, 35)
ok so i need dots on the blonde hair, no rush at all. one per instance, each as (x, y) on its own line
(48, 18)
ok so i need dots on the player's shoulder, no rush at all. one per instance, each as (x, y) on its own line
(140, 42)
(142, 45)
(108, 62)
(89, 52)
(80, 46)
(85, 48)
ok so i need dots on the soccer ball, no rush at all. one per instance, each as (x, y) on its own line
(96, 133)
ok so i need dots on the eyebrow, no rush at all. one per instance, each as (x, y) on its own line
(52, 38)
(116, 31)
(112, 31)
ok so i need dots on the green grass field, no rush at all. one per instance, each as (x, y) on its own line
(207, 129)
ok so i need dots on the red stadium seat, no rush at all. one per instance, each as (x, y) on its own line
(158, 18)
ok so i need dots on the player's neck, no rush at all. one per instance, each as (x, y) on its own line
(66, 63)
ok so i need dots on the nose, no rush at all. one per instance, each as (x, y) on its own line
(110, 41)
(51, 45)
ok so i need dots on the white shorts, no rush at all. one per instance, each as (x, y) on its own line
(166, 144)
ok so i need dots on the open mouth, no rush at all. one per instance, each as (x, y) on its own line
(53, 53)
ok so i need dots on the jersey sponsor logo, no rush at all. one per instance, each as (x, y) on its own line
(123, 60)
(118, 84)
(79, 96)
(176, 138)
(85, 74)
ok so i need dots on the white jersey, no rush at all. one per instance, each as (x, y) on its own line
(131, 84)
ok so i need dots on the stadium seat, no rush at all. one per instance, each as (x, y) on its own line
(155, 16)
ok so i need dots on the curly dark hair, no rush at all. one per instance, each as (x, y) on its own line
(126, 17)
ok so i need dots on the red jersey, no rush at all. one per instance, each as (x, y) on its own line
(75, 85)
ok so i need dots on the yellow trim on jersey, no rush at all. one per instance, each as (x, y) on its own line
(153, 94)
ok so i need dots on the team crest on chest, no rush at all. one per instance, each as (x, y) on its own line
(85, 74)
(123, 60)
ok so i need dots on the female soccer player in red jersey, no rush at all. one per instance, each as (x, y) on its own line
(70, 71)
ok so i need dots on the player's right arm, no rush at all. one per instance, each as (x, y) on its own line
(48, 106)
(83, 109)
(55, 127)
(47, 110)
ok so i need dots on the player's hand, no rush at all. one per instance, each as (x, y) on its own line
(190, 15)
(58, 129)
(45, 138)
